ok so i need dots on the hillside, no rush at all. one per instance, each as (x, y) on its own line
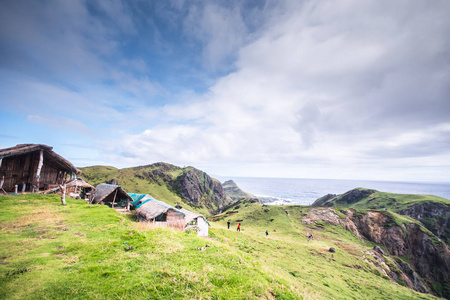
(83, 251)
(234, 192)
(394, 247)
(432, 211)
(171, 184)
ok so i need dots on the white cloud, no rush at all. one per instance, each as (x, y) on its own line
(328, 86)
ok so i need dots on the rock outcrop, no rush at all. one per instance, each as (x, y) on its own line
(345, 199)
(199, 188)
(434, 216)
(234, 192)
(429, 258)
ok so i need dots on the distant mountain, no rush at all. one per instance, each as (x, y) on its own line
(169, 183)
(432, 211)
(234, 192)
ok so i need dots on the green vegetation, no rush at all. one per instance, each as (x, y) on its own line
(143, 180)
(233, 191)
(81, 251)
(430, 210)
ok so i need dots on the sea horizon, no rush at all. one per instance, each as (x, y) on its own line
(305, 191)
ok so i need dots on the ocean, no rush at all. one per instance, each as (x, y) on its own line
(306, 191)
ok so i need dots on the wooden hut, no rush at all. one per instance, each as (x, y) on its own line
(75, 188)
(149, 209)
(34, 167)
(196, 222)
(79, 186)
(112, 195)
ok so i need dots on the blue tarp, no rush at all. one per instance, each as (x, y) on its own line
(138, 197)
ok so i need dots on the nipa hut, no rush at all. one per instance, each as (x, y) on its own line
(111, 195)
(33, 167)
(76, 188)
(196, 222)
(149, 209)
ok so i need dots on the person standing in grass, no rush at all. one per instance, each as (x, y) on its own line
(239, 227)
(267, 233)
(228, 223)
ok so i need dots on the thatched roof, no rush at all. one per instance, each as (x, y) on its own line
(105, 192)
(154, 209)
(190, 216)
(80, 183)
(50, 157)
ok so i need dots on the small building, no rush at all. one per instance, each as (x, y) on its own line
(111, 195)
(79, 187)
(196, 222)
(75, 188)
(34, 167)
(149, 209)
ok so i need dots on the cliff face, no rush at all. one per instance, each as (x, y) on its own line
(435, 216)
(199, 188)
(432, 211)
(234, 192)
(429, 258)
(168, 183)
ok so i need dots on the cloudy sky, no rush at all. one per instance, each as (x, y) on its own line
(306, 89)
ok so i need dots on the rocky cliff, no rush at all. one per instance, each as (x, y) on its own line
(234, 192)
(168, 183)
(434, 216)
(427, 259)
(432, 211)
(199, 188)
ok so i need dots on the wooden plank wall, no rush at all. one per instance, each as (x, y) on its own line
(22, 168)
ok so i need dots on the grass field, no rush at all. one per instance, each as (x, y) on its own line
(51, 251)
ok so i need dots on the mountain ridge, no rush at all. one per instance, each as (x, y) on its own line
(167, 182)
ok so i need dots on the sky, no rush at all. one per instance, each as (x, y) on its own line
(332, 89)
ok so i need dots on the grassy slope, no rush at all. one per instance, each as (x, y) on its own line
(137, 184)
(396, 202)
(77, 251)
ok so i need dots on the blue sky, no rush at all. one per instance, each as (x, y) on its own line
(306, 89)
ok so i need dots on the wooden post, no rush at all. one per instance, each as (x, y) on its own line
(63, 194)
(114, 199)
(39, 168)
(15, 189)
(23, 187)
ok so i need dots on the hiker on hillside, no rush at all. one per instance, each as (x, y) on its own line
(267, 233)
(239, 227)
(228, 223)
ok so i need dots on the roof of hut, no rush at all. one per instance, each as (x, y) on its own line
(80, 183)
(139, 198)
(190, 216)
(49, 155)
(152, 208)
(103, 190)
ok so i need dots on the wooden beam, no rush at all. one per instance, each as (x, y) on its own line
(63, 194)
(39, 169)
(114, 199)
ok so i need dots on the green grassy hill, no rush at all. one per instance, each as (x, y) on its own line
(81, 251)
(188, 186)
(432, 211)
